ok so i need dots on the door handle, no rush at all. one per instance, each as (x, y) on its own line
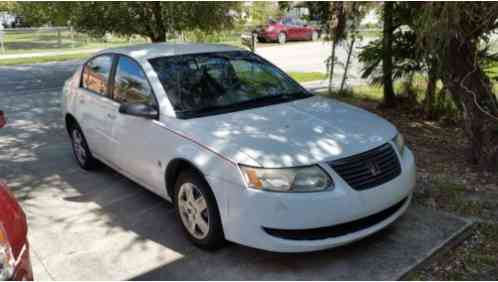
(82, 101)
(111, 116)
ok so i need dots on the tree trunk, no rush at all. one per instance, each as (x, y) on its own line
(348, 61)
(331, 65)
(472, 88)
(159, 37)
(430, 94)
(159, 22)
(387, 60)
(155, 27)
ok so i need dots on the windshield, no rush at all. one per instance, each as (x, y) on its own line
(213, 83)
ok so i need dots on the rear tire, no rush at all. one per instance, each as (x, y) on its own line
(197, 211)
(81, 152)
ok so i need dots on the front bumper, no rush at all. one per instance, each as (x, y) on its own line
(246, 213)
(268, 36)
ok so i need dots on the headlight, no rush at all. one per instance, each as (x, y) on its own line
(7, 261)
(303, 179)
(399, 141)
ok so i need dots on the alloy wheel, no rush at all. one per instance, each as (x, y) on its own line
(193, 210)
(78, 147)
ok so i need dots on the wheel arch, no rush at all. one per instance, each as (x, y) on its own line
(70, 122)
(173, 170)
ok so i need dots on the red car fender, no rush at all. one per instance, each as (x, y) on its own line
(3, 121)
(13, 220)
(14, 224)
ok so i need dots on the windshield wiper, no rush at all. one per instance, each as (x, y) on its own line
(204, 110)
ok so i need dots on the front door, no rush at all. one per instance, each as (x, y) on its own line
(292, 29)
(137, 149)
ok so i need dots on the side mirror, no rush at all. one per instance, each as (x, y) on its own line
(139, 110)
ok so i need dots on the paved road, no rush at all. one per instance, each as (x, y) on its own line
(310, 57)
(28, 79)
(100, 226)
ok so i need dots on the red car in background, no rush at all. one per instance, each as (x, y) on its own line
(15, 262)
(287, 29)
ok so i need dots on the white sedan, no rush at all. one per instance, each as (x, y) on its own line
(242, 150)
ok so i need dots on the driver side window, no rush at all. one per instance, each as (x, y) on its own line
(130, 84)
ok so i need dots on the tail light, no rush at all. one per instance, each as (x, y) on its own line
(3, 120)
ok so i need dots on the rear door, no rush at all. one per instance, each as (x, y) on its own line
(96, 110)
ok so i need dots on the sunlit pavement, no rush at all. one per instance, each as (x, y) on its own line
(100, 226)
(312, 56)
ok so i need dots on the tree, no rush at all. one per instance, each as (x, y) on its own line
(354, 15)
(387, 59)
(454, 32)
(336, 28)
(318, 10)
(340, 22)
(149, 19)
(261, 11)
(408, 58)
(7, 6)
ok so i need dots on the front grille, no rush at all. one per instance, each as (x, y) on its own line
(336, 230)
(369, 169)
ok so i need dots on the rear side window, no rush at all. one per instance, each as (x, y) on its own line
(131, 85)
(96, 75)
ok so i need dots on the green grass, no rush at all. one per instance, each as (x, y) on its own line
(492, 72)
(371, 33)
(30, 42)
(43, 59)
(357, 94)
(307, 76)
(24, 42)
(39, 42)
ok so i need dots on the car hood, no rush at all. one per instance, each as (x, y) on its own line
(298, 133)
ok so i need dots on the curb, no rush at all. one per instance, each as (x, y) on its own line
(440, 250)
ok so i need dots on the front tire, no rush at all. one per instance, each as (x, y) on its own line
(81, 152)
(314, 36)
(197, 211)
(282, 38)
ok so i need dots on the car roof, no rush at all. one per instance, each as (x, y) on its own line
(154, 50)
